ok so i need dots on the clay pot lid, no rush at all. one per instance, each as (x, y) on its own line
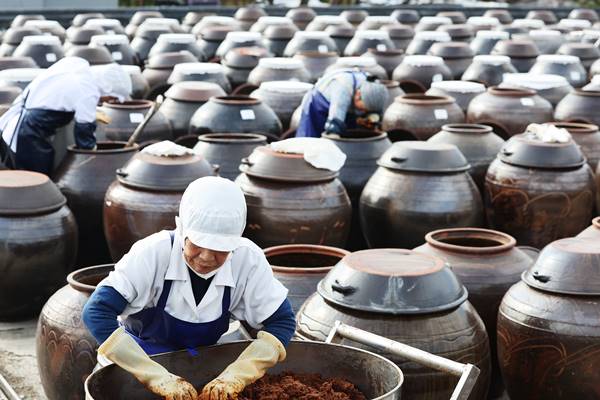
(504, 16)
(194, 91)
(341, 31)
(163, 173)
(280, 32)
(170, 59)
(354, 16)
(28, 193)
(9, 93)
(416, 156)
(581, 50)
(20, 19)
(451, 50)
(399, 31)
(80, 19)
(301, 14)
(191, 18)
(14, 36)
(457, 17)
(82, 35)
(584, 13)
(16, 62)
(406, 16)
(266, 163)
(151, 31)
(516, 48)
(392, 281)
(544, 15)
(525, 150)
(244, 57)
(141, 16)
(567, 266)
(251, 13)
(216, 33)
(303, 258)
(457, 31)
(93, 55)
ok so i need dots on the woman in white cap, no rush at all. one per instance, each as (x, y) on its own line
(69, 89)
(177, 290)
(342, 99)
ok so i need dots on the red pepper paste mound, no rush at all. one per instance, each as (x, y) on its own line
(292, 386)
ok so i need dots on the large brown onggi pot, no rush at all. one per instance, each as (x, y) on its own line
(592, 232)
(13, 36)
(227, 150)
(538, 192)
(362, 149)
(488, 263)
(587, 137)
(409, 297)
(551, 87)
(548, 325)
(392, 216)
(457, 56)
(39, 241)
(462, 91)
(159, 67)
(478, 143)
(283, 97)
(393, 90)
(289, 201)
(364, 40)
(579, 106)
(83, 177)
(420, 116)
(145, 197)
(300, 267)
(126, 116)
(509, 110)
(278, 69)
(522, 53)
(488, 70)
(316, 63)
(416, 73)
(45, 50)
(389, 59)
(65, 349)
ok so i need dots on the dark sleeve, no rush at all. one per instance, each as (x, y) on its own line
(101, 311)
(84, 135)
(282, 323)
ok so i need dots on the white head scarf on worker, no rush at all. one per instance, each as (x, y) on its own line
(212, 214)
(113, 80)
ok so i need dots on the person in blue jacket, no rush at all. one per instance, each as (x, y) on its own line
(178, 290)
(343, 99)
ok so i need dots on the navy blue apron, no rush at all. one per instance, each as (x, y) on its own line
(156, 331)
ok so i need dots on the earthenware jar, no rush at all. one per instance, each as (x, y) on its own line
(584, 13)
(593, 232)
(301, 16)
(110, 26)
(290, 201)
(159, 68)
(137, 19)
(539, 192)
(423, 41)
(394, 91)
(238, 39)
(93, 55)
(341, 35)
(267, 20)
(401, 35)
(551, 87)
(509, 111)
(13, 37)
(310, 41)
(80, 36)
(457, 17)
(547, 41)
(355, 17)
(16, 62)
(139, 85)
(457, 56)
(118, 46)
(277, 37)
(239, 62)
(316, 63)
(368, 39)
(375, 22)
(204, 72)
(478, 143)
(20, 19)
(428, 23)
(126, 116)
(45, 50)
(503, 16)
(488, 263)
(20, 77)
(488, 69)
(587, 137)
(416, 73)
(420, 116)
(177, 42)
(39, 242)
(278, 69)
(522, 53)
(548, 325)
(48, 28)
(322, 22)
(404, 16)
(546, 16)
(388, 59)
(447, 197)
(80, 19)
(365, 64)
(484, 41)
(458, 33)
(145, 37)
(579, 106)
(558, 64)
(409, 297)
(211, 37)
(462, 91)
(587, 52)
(283, 97)
(247, 16)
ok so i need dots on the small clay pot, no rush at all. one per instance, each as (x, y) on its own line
(488, 69)
(457, 56)
(551, 87)
(416, 73)
(423, 41)
(419, 116)
(579, 106)
(462, 91)
(522, 53)
(558, 64)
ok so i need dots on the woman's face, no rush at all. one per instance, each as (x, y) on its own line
(202, 260)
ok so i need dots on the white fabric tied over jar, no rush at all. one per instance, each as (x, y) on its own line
(548, 133)
(166, 148)
(318, 152)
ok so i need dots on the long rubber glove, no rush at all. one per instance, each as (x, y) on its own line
(124, 351)
(251, 365)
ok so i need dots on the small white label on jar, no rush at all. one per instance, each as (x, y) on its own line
(323, 48)
(440, 114)
(136, 118)
(526, 101)
(575, 75)
(50, 57)
(381, 47)
(247, 114)
(437, 78)
(117, 55)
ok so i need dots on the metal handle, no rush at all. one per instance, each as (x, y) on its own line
(7, 390)
(138, 130)
(468, 373)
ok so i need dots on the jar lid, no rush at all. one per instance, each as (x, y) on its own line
(558, 59)
(433, 36)
(534, 81)
(27, 193)
(44, 40)
(194, 91)
(526, 150)
(567, 266)
(83, 35)
(93, 55)
(457, 31)
(301, 14)
(280, 63)
(419, 156)
(568, 22)
(372, 35)
(216, 33)
(547, 16)
(499, 35)
(280, 32)
(483, 21)
(392, 281)
(516, 48)
(15, 35)
(267, 163)
(399, 31)
(244, 57)
(406, 16)
(197, 68)
(488, 59)
(9, 93)
(183, 38)
(545, 33)
(286, 87)
(20, 74)
(451, 50)
(43, 24)
(528, 23)
(251, 13)
(423, 61)
(163, 173)
(459, 86)
(16, 63)
(243, 37)
(103, 22)
(341, 31)
(581, 50)
(435, 20)
(108, 40)
(139, 16)
(171, 60)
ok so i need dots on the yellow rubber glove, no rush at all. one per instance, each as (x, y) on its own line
(124, 351)
(251, 365)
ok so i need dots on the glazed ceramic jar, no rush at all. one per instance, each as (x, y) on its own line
(283, 97)
(459, 32)
(93, 55)
(428, 23)
(509, 111)
(548, 325)
(488, 69)
(419, 116)
(183, 99)
(45, 50)
(210, 38)
(177, 42)
(558, 64)
(39, 242)
(341, 35)
(278, 69)
(579, 106)
(277, 37)
(484, 41)
(247, 16)
(447, 197)
(316, 63)
(239, 62)
(303, 41)
(289, 201)
(139, 85)
(488, 263)
(503, 16)
(422, 304)
(238, 39)
(145, 197)
(300, 268)
(547, 40)
(587, 52)
(235, 114)
(423, 41)
(126, 116)
(539, 192)
(551, 87)
(388, 59)
(457, 56)
(118, 47)
(145, 37)
(227, 150)
(375, 22)
(301, 16)
(137, 19)
(587, 137)
(204, 72)
(478, 143)
(592, 232)
(522, 53)
(365, 64)
(416, 73)
(404, 16)
(13, 37)
(462, 91)
(401, 35)
(362, 148)
(547, 16)
(368, 39)
(158, 69)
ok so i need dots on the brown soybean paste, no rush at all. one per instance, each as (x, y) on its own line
(290, 386)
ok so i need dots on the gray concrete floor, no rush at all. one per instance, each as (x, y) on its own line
(17, 359)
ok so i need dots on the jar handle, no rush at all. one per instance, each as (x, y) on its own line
(121, 173)
(247, 162)
(399, 159)
(345, 290)
(216, 168)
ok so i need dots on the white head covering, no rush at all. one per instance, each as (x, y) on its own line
(113, 80)
(212, 214)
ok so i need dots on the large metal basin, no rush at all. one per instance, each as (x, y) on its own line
(377, 377)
